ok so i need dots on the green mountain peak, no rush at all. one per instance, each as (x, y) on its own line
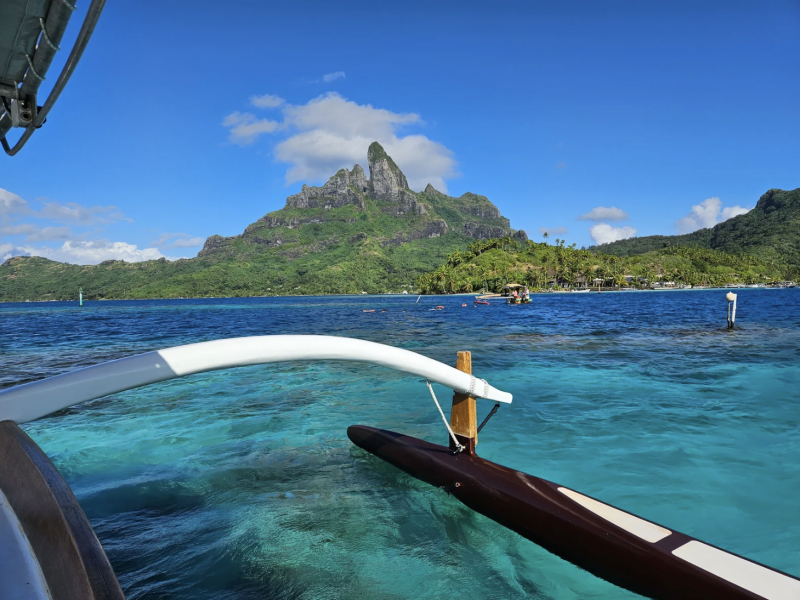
(349, 235)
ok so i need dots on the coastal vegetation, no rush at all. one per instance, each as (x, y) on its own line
(770, 231)
(488, 265)
(357, 234)
(351, 235)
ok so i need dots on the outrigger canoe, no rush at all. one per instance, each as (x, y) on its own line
(51, 545)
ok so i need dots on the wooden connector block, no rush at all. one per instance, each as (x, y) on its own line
(464, 414)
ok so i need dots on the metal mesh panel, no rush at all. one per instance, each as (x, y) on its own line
(19, 31)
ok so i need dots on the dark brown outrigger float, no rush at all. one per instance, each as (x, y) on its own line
(50, 551)
(614, 545)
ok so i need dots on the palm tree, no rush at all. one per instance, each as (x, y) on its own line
(545, 235)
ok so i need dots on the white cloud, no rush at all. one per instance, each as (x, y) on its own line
(75, 247)
(177, 240)
(707, 214)
(86, 215)
(328, 77)
(11, 204)
(330, 132)
(603, 213)
(88, 252)
(732, 211)
(22, 229)
(603, 233)
(246, 127)
(333, 113)
(34, 233)
(266, 101)
(553, 230)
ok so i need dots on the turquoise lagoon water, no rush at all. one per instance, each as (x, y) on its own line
(242, 483)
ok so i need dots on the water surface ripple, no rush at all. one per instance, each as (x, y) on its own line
(242, 483)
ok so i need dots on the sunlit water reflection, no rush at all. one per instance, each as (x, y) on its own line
(243, 484)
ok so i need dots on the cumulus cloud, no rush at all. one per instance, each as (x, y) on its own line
(603, 213)
(177, 240)
(11, 204)
(707, 214)
(246, 127)
(85, 252)
(330, 132)
(553, 230)
(328, 77)
(603, 233)
(266, 101)
(732, 211)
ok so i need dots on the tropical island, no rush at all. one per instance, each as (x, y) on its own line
(490, 265)
(359, 234)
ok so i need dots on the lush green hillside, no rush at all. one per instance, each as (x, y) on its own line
(353, 234)
(770, 231)
(489, 265)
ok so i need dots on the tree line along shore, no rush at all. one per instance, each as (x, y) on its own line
(488, 265)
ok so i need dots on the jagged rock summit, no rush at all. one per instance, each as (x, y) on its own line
(345, 187)
(387, 182)
(358, 232)
(351, 198)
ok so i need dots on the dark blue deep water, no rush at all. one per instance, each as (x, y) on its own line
(242, 484)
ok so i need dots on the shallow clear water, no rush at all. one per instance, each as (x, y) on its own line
(219, 486)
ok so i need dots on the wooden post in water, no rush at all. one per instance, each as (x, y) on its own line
(464, 414)
(731, 298)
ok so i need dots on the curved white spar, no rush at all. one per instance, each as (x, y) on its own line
(39, 398)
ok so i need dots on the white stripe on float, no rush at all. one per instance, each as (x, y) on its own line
(750, 576)
(645, 530)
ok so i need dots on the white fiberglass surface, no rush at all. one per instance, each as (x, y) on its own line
(639, 527)
(745, 574)
(21, 577)
(40, 398)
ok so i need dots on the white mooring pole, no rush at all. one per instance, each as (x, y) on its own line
(731, 298)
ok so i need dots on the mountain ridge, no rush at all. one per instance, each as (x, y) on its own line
(349, 235)
(771, 231)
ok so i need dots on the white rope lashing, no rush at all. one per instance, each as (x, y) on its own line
(459, 447)
(47, 37)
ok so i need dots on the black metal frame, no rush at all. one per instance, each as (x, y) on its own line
(25, 95)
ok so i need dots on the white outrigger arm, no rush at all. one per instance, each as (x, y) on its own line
(33, 400)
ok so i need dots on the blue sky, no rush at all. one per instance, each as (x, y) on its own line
(184, 120)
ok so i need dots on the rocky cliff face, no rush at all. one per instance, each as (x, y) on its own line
(352, 203)
(387, 182)
(346, 187)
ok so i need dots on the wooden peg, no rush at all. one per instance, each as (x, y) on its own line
(464, 414)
